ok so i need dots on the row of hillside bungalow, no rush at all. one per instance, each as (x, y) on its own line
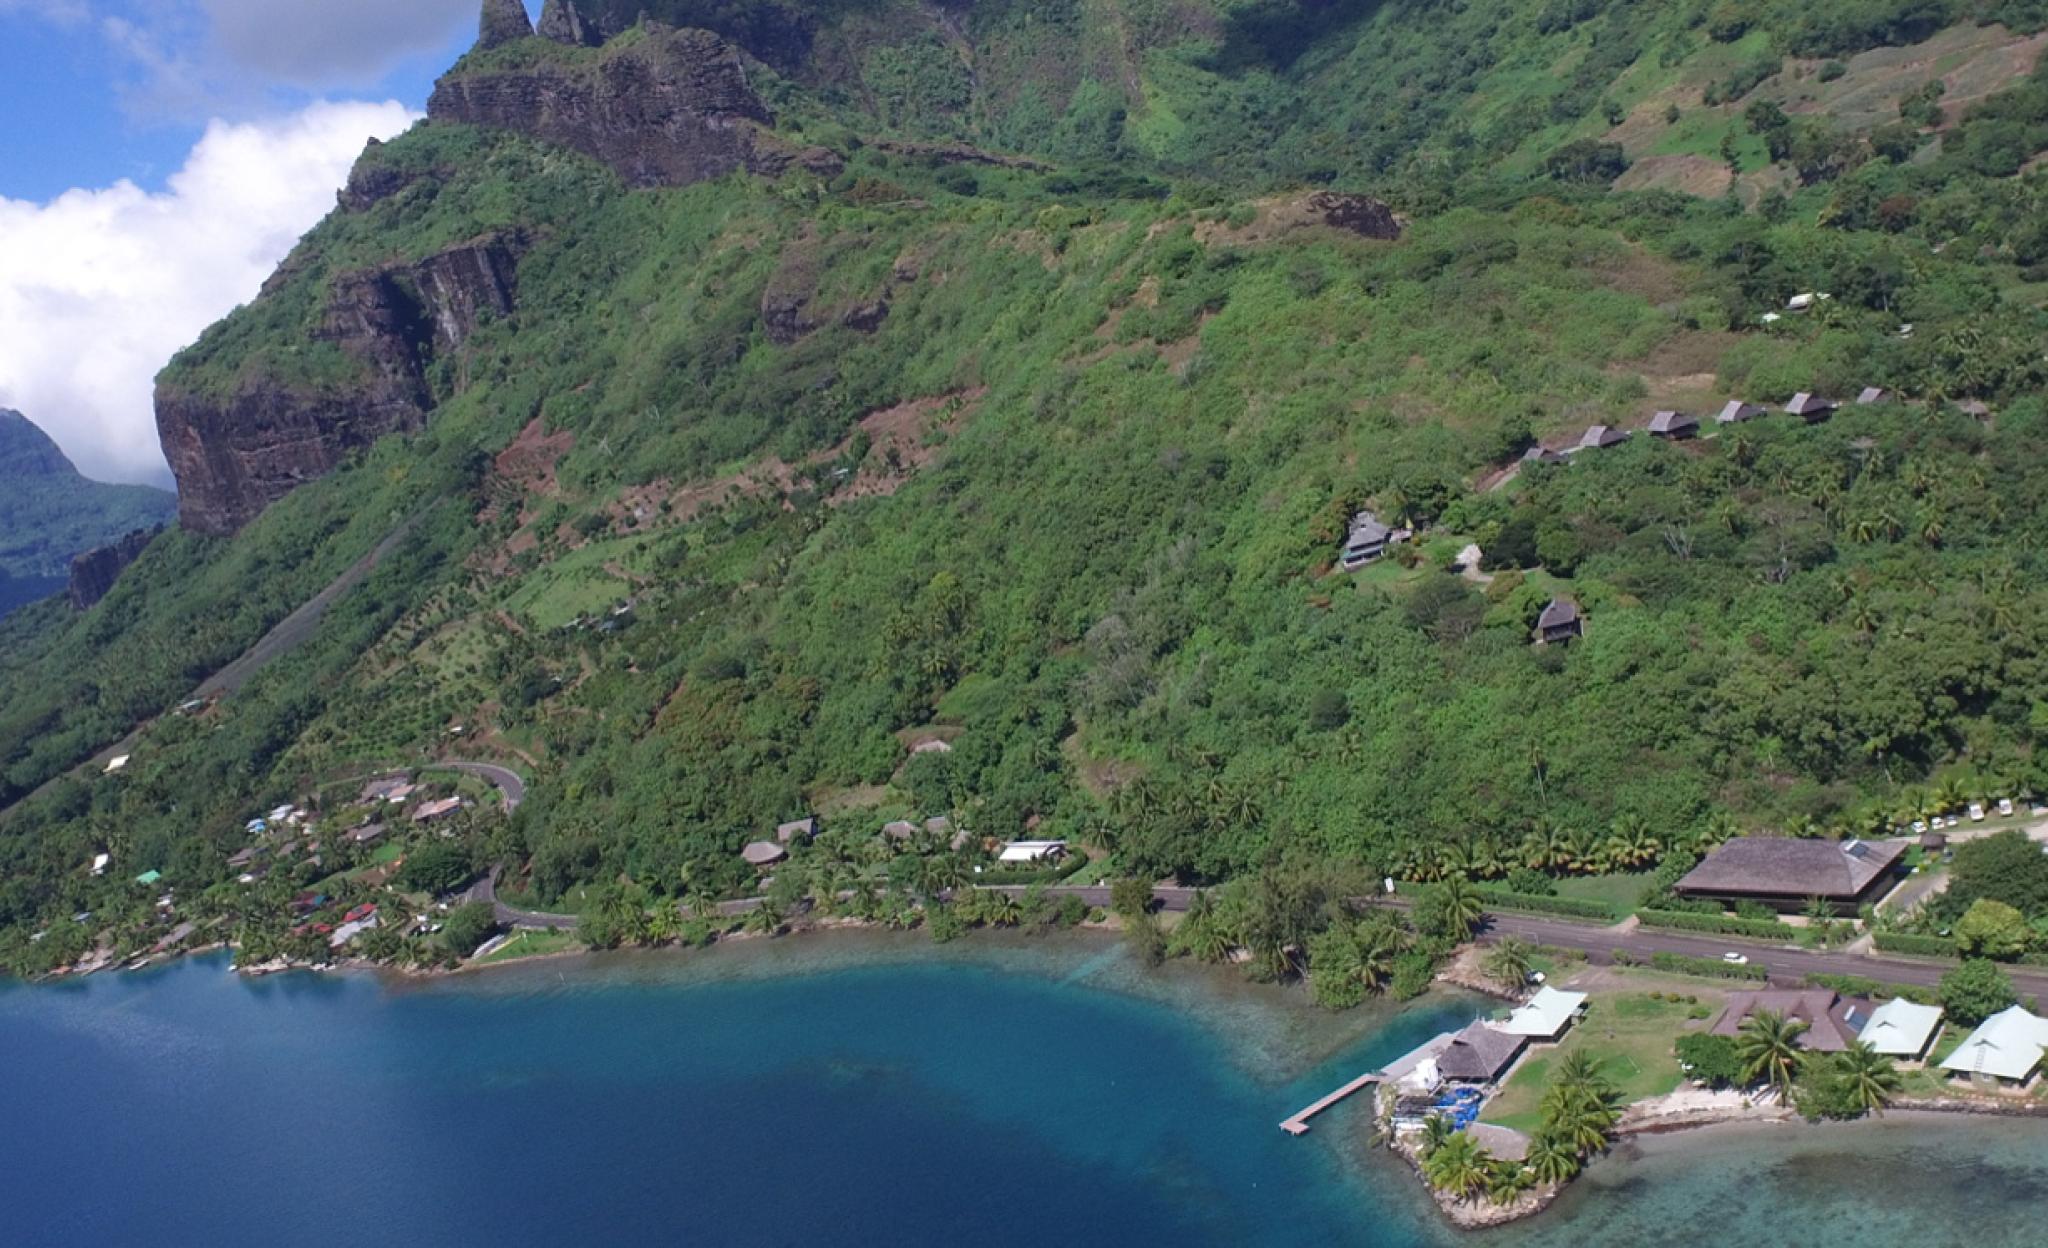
(1672, 426)
(1370, 538)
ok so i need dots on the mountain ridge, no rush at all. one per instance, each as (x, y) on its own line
(1038, 435)
(50, 513)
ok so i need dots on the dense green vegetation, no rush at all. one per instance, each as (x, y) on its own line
(1072, 508)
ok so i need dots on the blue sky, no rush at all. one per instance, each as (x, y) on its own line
(89, 102)
(162, 156)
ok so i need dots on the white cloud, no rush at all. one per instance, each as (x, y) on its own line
(335, 41)
(100, 287)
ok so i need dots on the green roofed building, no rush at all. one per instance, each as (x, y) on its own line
(149, 877)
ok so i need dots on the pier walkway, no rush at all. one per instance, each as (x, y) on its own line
(1298, 1125)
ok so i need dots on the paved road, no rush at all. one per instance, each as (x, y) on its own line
(1785, 964)
(508, 782)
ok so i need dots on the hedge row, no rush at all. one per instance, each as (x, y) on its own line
(1720, 924)
(1712, 968)
(1536, 903)
(1917, 946)
(1870, 989)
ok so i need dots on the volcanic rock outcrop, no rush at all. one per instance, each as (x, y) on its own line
(563, 22)
(670, 108)
(93, 573)
(501, 22)
(236, 452)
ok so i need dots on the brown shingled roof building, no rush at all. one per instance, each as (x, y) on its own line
(1831, 1023)
(1786, 872)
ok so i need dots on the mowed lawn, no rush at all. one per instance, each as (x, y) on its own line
(1624, 892)
(1632, 1036)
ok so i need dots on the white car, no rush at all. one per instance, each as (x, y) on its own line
(1919, 827)
(1735, 959)
(2005, 808)
(1976, 813)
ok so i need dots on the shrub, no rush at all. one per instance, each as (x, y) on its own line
(1719, 924)
(1710, 1059)
(1916, 946)
(1975, 991)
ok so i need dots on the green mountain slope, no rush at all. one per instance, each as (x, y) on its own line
(50, 514)
(1051, 459)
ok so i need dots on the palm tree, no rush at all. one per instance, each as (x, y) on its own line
(1768, 1048)
(1508, 1182)
(1552, 1160)
(1436, 1129)
(764, 919)
(940, 874)
(1000, 909)
(1869, 1077)
(1458, 1166)
(1463, 907)
(1508, 963)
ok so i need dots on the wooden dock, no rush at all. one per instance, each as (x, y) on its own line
(1298, 1125)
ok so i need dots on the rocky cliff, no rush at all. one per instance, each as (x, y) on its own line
(668, 108)
(93, 573)
(235, 453)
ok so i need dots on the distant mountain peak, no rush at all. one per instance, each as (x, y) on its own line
(26, 451)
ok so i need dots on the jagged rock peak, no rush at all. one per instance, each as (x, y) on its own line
(563, 22)
(502, 22)
(93, 573)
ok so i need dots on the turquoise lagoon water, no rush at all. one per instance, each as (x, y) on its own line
(859, 1090)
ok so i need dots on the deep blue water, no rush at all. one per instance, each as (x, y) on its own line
(898, 1104)
(982, 1098)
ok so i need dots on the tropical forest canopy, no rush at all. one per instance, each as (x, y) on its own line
(1072, 507)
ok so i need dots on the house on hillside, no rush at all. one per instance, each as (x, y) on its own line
(1902, 1029)
(100, 862)
(1674, 426)
(1738, 413)
(1546, 1016)
(1542, 455)
(1560, 623)
(763, 854)
(1786, 873)
(1367, 541)
(433, 811)
(1831, 1022)
(796, 830)
(1027, 853)
(382, 790)
(1872, 396)
(1807, 301)
(1811, 408)
(899, 830)
(2004, 1051)
(1601, 437)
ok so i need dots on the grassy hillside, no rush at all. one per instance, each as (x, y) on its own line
(1072, 504)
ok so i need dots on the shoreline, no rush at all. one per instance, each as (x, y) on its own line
(1289, 1008)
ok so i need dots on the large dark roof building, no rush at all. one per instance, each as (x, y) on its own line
(1478, 1054)
(1787, 872)
(1831, 1023)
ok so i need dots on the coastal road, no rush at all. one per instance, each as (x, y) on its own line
(1785, 964)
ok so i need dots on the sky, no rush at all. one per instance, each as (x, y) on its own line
(159, 158)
